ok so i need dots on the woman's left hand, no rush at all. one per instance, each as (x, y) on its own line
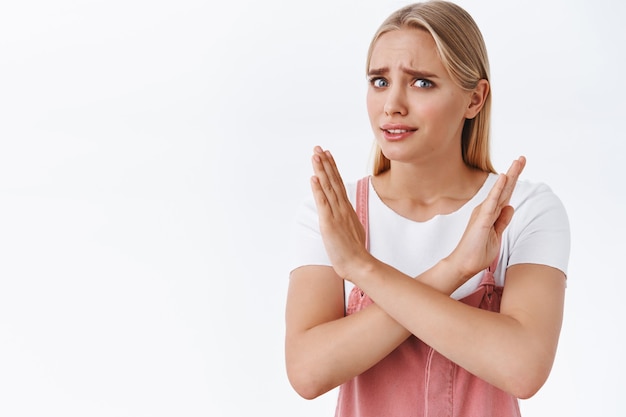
(342, 232)
(481, 240)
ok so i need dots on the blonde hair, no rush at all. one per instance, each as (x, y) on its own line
(462, 50)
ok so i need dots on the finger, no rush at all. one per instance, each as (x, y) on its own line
(512, 175)
(516, 168)
(329, 176)
(327, 163)
(318, 194)
(323, 174)
(324, 168)
(319, 182)
(503, 220)
(320, 167)
(333, 173)
(492, 202)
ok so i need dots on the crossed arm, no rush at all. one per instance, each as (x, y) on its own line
(513, 350)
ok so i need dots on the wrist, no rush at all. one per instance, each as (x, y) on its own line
(361, 268)
(452, 273)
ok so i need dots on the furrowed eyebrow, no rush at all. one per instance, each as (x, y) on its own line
(409, 71)
(377, 71)
(419, 74)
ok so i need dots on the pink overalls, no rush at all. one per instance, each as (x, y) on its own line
(416, 381)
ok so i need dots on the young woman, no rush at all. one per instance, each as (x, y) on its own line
(444, 294)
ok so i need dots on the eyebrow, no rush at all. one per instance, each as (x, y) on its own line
(409, 71)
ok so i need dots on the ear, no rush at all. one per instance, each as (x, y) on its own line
(477, 99)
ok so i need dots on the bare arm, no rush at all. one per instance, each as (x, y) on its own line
(513, 350)
(323, 348)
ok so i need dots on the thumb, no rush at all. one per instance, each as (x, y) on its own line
(503, 219)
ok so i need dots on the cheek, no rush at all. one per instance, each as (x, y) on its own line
(442, 109)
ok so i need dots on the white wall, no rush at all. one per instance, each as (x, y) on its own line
(152, 155)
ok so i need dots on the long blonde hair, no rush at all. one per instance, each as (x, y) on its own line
(462, 50)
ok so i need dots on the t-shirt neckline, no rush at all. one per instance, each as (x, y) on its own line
(476, 199)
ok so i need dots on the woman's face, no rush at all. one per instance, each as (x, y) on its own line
(416, 110)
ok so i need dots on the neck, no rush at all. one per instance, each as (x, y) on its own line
(429, 182)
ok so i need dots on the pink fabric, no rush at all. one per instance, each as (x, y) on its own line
(416, 381)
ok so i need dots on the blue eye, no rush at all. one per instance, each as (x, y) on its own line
(379, 82)
(421, 83)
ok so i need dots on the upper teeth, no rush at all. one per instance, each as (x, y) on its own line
(396, 130)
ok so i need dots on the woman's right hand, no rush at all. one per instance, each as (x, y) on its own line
(480, 243)
(341, 229)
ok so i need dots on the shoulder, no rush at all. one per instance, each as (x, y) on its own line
(306, 213)
(537, 198)
(529, 198)
(539, 231)
(527, 189)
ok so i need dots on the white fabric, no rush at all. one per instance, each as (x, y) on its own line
(538, 234)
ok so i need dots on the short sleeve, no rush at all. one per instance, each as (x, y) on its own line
(307, 246)
(539, 232)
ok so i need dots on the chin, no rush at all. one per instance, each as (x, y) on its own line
(396, 151)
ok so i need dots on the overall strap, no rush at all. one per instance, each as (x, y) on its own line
(362, 194)
(488, 278)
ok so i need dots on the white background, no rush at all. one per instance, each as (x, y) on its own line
(152, 154)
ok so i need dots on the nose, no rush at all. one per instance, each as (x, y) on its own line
(395, 102)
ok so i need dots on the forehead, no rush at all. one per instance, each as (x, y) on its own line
(405, 47)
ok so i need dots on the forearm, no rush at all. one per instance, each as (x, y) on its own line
(500, 348)
(325, 355)
(329, 354)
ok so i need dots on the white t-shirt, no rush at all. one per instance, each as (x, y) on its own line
(538, 234)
